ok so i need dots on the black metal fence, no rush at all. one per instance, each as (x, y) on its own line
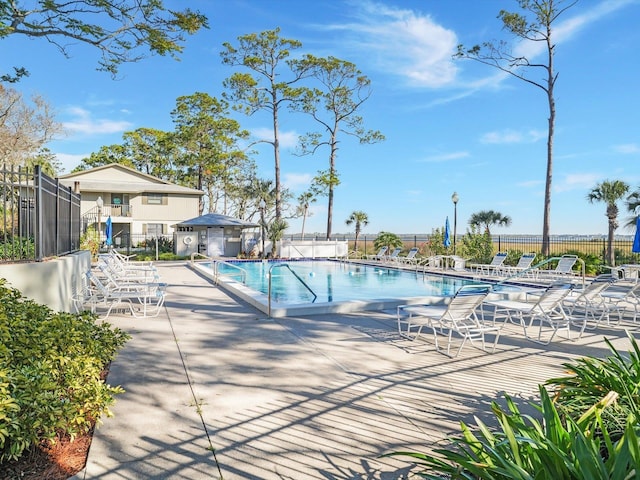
(40, 218)
(593, 245)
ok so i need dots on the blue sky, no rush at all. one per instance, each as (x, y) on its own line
(449, 125)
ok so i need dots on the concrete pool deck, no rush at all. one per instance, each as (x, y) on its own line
(215, 389)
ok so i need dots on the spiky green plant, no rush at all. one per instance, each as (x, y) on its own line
(524, 448)
(590, 378)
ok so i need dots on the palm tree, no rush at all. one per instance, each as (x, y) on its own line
(304, 199)
(389, 240)
(361, 220)
(486, 218)
(633, 206)
(609, 192)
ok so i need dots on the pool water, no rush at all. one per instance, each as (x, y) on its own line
(337, 281)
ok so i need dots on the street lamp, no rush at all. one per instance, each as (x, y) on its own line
(99, 204)
(262, 205)
(454, 199)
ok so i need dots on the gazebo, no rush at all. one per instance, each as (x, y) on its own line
(214, 235)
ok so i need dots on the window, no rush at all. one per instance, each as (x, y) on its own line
(154, 229)
(155, 199)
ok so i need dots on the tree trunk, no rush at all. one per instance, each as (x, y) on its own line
(552, 121)
(611, 258)
(276, 156)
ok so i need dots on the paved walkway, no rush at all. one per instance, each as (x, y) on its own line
(214, 390)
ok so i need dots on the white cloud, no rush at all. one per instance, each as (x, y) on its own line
(404, 43)
(287, 139)
(446, 157)
(629, 148)
(84, 123)
(297, 181)
(575, 181)
(69, 161)
(512, 136)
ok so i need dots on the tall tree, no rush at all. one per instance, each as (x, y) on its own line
(264, 54)
(534, 25)
(609, 192)
(152, 151)
(118, 29)
(633, 207)
(486, 218)
(25, 126)
(360, 219)
(116, 153)
(209, 140)
(304, 199)
(334, 105)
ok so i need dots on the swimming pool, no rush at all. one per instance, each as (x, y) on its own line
(339, 286)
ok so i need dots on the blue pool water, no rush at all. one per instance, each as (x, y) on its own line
(336, 282)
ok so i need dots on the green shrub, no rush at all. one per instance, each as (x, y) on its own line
(51, 367)
(591, 378)
(476, 246)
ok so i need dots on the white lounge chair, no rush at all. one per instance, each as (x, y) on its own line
(458, 317)
(521, 268)
(591, 303)
(562, 270)
(489, 268)
(546, 310)
(410, 259)
(625, 294)
(142, 300)
(393, 255)
(378, 256)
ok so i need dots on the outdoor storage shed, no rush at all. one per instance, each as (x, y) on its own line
(213, 234)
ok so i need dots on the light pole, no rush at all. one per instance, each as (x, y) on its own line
(99, 204)
(454, 199)
(262, 205)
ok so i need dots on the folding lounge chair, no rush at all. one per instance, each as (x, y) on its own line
(458, 317)
(624, 294)
(142, 300)
(590, 302)
(410, 258)
(547, 310)
(490, 268)
(393, 256)
(521, 268)
(378, 256)
(563, 269)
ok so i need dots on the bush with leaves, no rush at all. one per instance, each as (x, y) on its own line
(590, 378)
(476, 246)
(51, 369)
(389, 240)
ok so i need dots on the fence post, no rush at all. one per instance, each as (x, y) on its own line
(38, 237)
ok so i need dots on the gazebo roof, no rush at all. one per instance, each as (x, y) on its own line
(215, 220)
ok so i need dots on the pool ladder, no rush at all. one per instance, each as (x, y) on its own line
(278, 265)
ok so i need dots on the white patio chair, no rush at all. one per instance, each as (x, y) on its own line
(522, 267)
(591, 303)
(393, 255)
(378, 256)
(624, 294)
(562, 270)
(457, 317)
(410, 259)
(489, 268)
(546, 310)
(142, 300)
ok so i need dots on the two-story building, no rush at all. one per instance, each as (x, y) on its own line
(139, 205)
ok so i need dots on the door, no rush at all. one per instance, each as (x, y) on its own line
(215, 242)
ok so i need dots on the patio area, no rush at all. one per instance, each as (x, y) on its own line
(215, 389)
